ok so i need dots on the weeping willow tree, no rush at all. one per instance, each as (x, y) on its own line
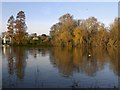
(62, 32)
(71, 32)
(114, 39)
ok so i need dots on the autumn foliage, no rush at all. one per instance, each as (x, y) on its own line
(67, 32)
(89, 32)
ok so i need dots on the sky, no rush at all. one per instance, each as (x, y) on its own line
(40, 16)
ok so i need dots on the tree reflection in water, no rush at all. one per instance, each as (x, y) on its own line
(67, 60)
(114, 55)
(16, 57)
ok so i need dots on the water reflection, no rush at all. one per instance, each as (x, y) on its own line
(35, 51)
(16, 60)
(0, 67)
(114, 55)
(67, 61)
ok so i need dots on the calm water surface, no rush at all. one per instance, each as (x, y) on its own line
(24, 67)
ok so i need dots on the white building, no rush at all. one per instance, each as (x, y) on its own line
(6, 39)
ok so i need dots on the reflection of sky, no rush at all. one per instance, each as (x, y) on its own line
(103, 78)
(40, 71)
(41, 16)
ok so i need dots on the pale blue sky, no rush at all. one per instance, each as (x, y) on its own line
(40, 16)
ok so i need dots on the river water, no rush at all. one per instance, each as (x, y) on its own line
(56, 67)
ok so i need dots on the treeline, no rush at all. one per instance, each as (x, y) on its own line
(90, 32)
(67, 32)
(17, 33)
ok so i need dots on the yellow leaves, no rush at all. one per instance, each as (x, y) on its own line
(114, 32)
(81, 39)
(90, 32)
(65, 36)
(78, 33)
